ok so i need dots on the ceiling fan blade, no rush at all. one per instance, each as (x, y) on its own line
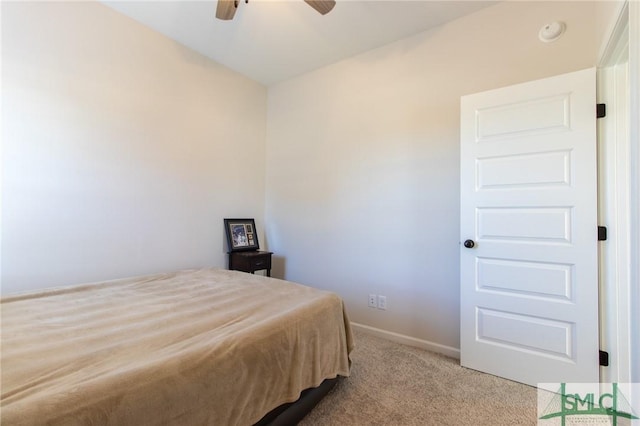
(322, 6)
(226, 9)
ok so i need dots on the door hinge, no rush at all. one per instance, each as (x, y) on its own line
(604, 358)
(602, 233)
(601, 110)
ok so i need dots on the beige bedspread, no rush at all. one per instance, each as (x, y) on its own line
(204, 347)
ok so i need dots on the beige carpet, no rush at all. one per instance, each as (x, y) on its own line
(393, 384)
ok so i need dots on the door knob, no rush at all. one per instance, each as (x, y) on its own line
(469, 244)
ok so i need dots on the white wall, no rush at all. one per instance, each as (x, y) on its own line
(634, 161)
(122, 150)
(362, 159)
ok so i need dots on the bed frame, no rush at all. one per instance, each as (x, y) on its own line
(291, 413)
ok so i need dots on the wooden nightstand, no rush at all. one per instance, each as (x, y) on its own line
(250, 261)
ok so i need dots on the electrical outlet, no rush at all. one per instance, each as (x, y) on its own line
(382, 302)
(373, 301)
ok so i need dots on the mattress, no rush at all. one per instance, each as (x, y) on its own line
(192, 347)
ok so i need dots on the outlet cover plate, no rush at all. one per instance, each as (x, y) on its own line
(382, 302)
(373, 301)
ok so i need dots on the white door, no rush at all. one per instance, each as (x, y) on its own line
(529, 284)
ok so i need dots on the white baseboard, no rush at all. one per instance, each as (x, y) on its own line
(408, 340)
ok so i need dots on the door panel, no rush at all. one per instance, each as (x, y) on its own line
(528, 200)
(525, 170)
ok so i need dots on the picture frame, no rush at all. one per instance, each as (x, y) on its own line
(241, 234)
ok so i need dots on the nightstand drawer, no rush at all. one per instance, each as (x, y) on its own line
(250, 261)
(262, 262)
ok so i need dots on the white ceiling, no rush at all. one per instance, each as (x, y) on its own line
(270, 41)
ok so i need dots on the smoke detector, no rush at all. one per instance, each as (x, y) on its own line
(551, 32)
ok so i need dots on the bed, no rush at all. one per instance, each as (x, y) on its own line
(197, 347)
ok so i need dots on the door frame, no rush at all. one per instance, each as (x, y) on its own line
(634, 131)
(620, 207)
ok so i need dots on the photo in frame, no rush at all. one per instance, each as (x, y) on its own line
(241, 234)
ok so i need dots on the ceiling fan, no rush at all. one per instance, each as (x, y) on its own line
(227, 8)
